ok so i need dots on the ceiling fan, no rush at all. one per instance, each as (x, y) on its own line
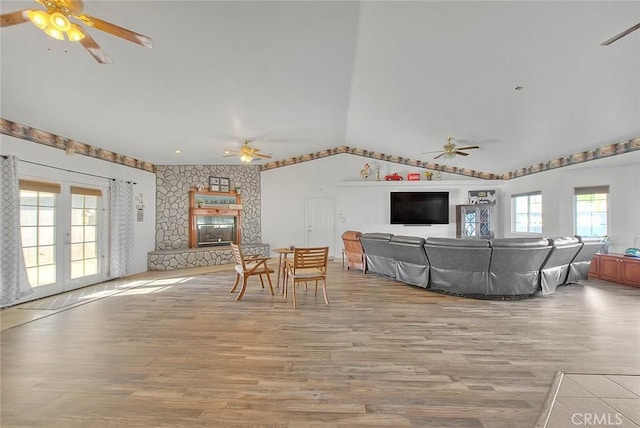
(621, 35)
(56, 22)
(450, 150)
(246, 152)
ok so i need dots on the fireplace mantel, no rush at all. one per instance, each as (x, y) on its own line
(214, 218)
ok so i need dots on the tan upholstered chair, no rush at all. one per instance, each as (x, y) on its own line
(307, 264)
(247, 266)
(353, 250)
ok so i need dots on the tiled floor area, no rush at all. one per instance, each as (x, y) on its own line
(592, 400)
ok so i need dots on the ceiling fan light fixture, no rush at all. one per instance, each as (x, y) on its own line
(39, 18)
(54, 33)
(75, 33)
(246, 158)
(59, 22)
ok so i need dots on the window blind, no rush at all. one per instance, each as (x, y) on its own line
(76, 190)
(591, 190)
(39, 186)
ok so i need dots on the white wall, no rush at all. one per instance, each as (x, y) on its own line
(359, 206)
(622, 175)
(144, 232)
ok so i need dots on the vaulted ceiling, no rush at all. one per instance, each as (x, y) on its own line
(393, 77)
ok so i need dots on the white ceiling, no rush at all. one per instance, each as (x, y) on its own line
(394, 77)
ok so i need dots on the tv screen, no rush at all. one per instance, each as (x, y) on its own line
(419, 208)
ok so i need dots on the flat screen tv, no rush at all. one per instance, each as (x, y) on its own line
(419, 208)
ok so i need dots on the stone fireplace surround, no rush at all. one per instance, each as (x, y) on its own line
(173, 183)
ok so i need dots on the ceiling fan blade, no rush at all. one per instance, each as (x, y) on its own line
(117, 31)
(621, 35)
(458, 152)
(94, 49)
(440, 155)
(14, 18)
(468, 147)
(258, 155)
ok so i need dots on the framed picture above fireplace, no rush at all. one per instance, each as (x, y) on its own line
(214, 184)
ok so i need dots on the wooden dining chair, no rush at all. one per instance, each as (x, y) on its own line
(307, 264)
(247, 266)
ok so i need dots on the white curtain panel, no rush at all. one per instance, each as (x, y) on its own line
(121, 231)
(14, 284)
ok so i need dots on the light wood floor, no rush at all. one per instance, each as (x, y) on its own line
(181, 352)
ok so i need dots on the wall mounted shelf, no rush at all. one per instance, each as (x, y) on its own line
(423, 183)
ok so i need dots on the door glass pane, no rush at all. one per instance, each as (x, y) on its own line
(89, 250)
(91, 202)
(84, 247)
(91, 266)
(46, 216)
(77, 269)
(47, 274)
(47, 200)
(77, 251)
(46, 235)
(46, 255)
(29, 236)
(28, 215)
(77, 216)
(77, 201)
(89, 233)
(77, 234)
(37, 228)
(30, 256)
(89, 217)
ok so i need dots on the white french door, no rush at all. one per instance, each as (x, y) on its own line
(63, 229)
(320, 220)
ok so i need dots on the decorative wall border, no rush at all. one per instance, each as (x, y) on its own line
(25, 132)
(28, 133)
(380, 156)
(577, 158)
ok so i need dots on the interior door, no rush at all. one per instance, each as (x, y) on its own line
(320, 220)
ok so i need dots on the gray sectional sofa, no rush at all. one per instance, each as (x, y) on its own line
(506, 269)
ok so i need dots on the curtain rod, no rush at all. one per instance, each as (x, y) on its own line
(70, 170)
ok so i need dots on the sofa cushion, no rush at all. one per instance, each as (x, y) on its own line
(456, 242)
(579, 267)
(515, 265)
(379, 255)
(519, 242)
(459, 266)
(412, 266)
(555, 270)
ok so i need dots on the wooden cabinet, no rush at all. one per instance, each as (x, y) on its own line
(214, 218)
(594, 267)
(616, 268)
(475, 221)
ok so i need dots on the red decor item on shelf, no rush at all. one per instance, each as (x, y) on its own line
(393, 177)
(413, 176)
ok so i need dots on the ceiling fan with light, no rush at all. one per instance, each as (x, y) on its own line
(621, 35)
(246, 152)
(451, 150)
(56, 22)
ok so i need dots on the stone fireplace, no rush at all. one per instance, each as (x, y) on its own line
(175, 246)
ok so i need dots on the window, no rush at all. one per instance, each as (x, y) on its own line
(38, 230)
(84, 236)
(591, 210)
(526, 213)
